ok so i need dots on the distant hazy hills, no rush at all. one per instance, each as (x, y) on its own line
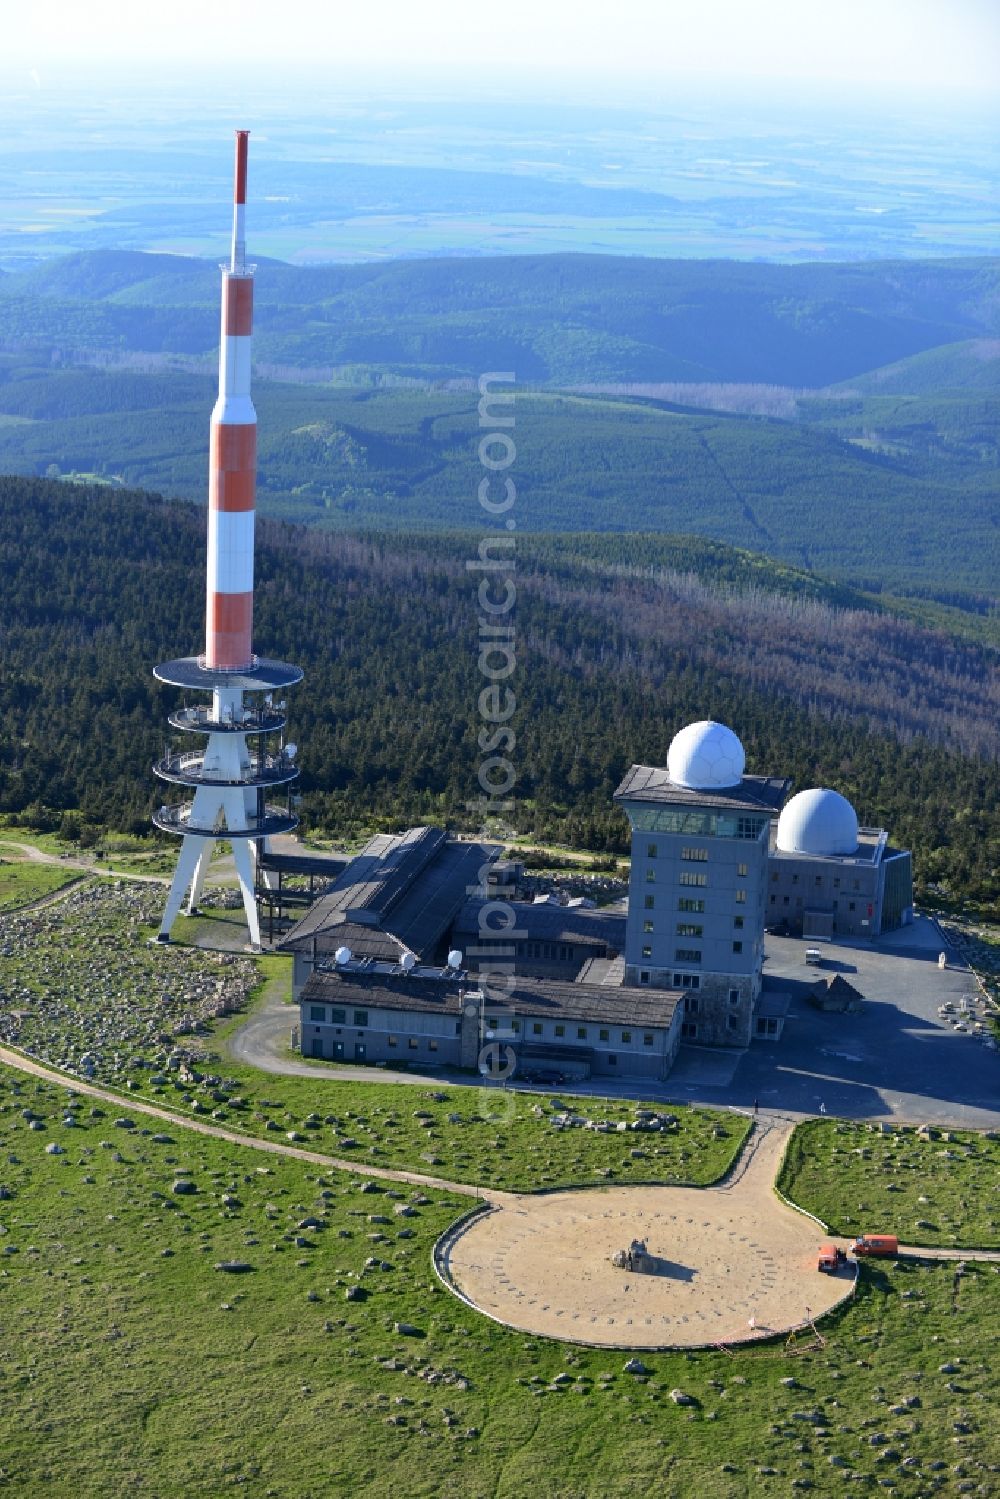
(972, 366)
(877, 463)
(556, 319)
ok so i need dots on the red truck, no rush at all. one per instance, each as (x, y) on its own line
(875, 1245)
(830, 1258)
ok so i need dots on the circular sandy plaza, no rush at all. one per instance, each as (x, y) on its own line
(732, 1263)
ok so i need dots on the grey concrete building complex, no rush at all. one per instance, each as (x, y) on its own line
(402, 957)
(377, 1012)
(828, 877)
(698, 880)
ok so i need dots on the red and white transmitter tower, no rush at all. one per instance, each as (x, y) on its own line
(245, 757)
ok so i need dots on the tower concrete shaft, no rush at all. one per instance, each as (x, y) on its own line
(231, 775)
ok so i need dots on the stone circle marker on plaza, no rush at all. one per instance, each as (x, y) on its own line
(733, 1262)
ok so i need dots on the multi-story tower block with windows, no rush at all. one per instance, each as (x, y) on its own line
(698, 883)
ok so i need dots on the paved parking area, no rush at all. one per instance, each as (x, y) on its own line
(898, 1058)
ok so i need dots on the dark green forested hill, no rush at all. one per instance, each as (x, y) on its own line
(556, 319)
(619, 642)
(890, 492)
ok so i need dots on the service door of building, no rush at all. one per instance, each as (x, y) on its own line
(360, 1051)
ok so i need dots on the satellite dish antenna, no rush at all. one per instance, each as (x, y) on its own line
(291, 750)
(407, 962)
(342, 956)
(454, 959)
(268, 699)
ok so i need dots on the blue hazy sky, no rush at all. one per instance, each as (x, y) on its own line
(926, 46)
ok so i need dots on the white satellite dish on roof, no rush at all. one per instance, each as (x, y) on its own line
(454, 958)
(291, 750)
(342, 956)
(408, 962)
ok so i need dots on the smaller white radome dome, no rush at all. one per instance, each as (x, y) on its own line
(705, 756)
(818, 821)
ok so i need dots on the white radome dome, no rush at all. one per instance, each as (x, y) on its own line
(705, 756)
(818, 821)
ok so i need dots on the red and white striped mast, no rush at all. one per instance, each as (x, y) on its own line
(232, 478)
(231, 776)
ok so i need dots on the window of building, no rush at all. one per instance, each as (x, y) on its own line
(850, 905)
(688, 929)
(458, 1027)
(581, 1033)
(819, 879)
(612, 1060)
(687, 980)
(413, 1043)
(647, 926)
(560, 1030)
(741, 897)
(733, 1021)
(750, 827)
(687, 955)
(650, 875)
(605, 1035)
(626, 1038)
(774, 878)
(650, 902)
(647, 951)
(650, 850)
(432, 1046)
(536, 1029)
(338, 1017)
(689, 1030)
(857, 884)
(647, 1038)
(784, 900)
(738, 921)
(644, 976)
(773, 899)
(734, 996)
(742, 870)
(836, 882)
(515, 1026)
(688, 877)
(689, 903)
(361, 1017)
(491, 1022)
(795, 879)
(694, 855)
(391, 1041)
(317, 1012)
(737, 947)
(691, 1004)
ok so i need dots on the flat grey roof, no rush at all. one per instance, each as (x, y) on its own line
(581, 925)
(540, 999)
(649, 783)
(870, 850)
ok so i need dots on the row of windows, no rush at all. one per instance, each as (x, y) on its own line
(689, 929)
(583, 1032)
(776, 876)
(692, 1002)
(696, 824)
(555, 950)
(413, 1042)
(851, 904)
(691, 856)
(689, 1028)
(337, 1016)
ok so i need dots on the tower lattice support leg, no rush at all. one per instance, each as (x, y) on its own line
(192, 849)
(198, 883)
(244, 869)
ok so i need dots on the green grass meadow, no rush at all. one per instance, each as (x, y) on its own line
(130, 1364)
(940, 1189)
